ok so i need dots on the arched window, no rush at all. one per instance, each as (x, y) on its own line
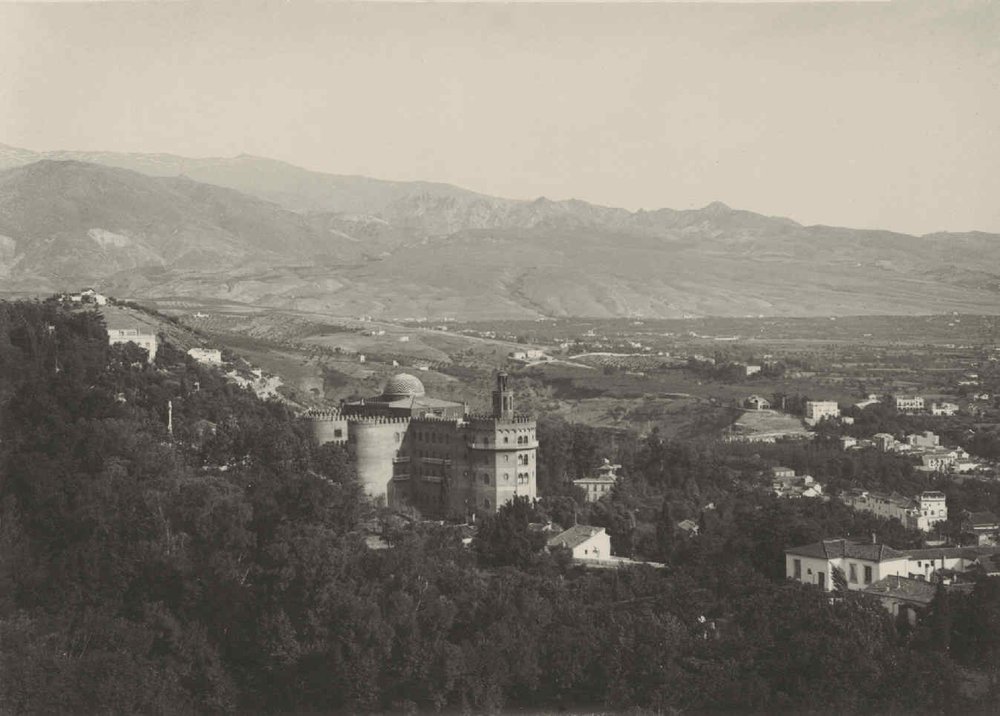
(486, 503)
(486, 479)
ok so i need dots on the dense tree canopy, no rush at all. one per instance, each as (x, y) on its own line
(222, 569)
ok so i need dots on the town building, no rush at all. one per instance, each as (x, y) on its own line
(920, 513)
(940, 460)
(751, 370)
(794, 486)
(902, 596)
(927, 439)
(755, 402)
(816, 410)
(981, 526)
(432, 456)
(208, 356)
(884, 442)
(132, 335)
(933, 562)
(597, 486)
(862, 564)
(584, 542)
(909, 403)
(940, 409)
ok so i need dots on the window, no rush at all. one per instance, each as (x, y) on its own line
(868, 574)
(338, 433)
(486, 479)
(486, 503)
(854, 573)
(797, 565)
(505, 440)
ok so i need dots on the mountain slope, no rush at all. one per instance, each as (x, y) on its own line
(441, 251)
(74, 222)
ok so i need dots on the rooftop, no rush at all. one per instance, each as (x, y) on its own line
(910, 590)
(574, 536)
(838, 548)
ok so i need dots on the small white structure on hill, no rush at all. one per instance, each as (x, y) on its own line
(208, 356)
(584, 542)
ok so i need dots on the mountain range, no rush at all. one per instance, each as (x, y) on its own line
(268, 233)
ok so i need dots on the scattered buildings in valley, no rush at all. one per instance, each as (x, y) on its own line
(817, 410)
(132, 335)
(785, 483)
(431, 455)
(920, 513)
(597, 486)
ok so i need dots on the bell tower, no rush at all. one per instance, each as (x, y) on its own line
(503, 399)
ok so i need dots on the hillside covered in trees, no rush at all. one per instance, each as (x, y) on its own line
(222, 568)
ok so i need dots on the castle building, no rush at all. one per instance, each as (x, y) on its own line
(433, 456)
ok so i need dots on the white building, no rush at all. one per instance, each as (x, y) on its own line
(599, 485)
(861, 564)
(943, 408)
(584, 541)
(816, 410)
(132, 335)
(920, 513)
(927, 439)
(909, 403)
(209, 356)
(755, 402)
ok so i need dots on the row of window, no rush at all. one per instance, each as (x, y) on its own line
(852, 571)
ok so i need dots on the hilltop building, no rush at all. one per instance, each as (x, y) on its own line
(944, 408)
(431, 455)
(599, 485)
(132, 335)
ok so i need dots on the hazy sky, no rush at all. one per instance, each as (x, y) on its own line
(868, 114)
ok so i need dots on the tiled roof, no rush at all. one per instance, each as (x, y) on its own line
(837, 548)
(574, 536)
(981, 519)
(951, 552)
(904, 588)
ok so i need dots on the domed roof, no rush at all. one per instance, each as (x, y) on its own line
(403, 385)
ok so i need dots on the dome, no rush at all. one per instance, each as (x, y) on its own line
(403, 385)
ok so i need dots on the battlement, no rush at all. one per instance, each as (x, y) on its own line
(376, 420)
(434, 419)
(331, 414)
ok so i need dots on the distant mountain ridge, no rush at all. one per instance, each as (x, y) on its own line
(272, 234)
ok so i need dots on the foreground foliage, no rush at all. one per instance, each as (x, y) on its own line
(222, 570)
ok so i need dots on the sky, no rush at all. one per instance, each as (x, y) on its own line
(869, 115)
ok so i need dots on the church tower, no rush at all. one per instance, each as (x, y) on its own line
(503, 399)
